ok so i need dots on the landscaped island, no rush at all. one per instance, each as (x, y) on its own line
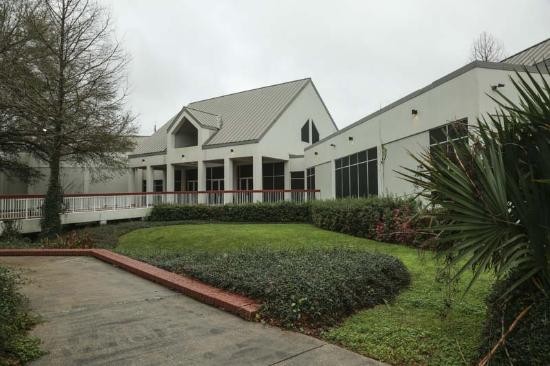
(422, 326)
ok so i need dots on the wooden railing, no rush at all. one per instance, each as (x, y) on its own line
(30, 206)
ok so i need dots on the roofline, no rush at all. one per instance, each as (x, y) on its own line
(225, 144)
(248, 90)
(308, 80)
(458, 72)
(178, 117)
(324, 105)
(162, 152)
(524, 50)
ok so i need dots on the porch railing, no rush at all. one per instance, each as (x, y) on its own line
(30, 206)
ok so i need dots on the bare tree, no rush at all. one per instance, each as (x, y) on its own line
(13, 42)
(67, 94)
(487, 48)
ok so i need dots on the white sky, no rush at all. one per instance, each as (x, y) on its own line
(361, 55)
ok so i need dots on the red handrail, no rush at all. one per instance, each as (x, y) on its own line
(158, 193)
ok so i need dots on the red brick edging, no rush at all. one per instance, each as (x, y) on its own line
(233, 303)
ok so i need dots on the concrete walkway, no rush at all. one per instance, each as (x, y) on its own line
(96, 314)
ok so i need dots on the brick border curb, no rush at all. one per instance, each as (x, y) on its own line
(233, 303)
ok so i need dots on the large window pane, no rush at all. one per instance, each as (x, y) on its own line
(345, 182)
(314, 133)
(278, 182)
(354, 192)
(372, 154)
(373, 178)
(339, 183)
(363, 181)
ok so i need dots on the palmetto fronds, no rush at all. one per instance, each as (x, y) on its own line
(495, 190)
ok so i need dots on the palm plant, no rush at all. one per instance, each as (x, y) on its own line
(493, 192)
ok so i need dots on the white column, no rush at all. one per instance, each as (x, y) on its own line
(201, 180)
(149, 178)
(131, 180)
(169, 183)
(305, 185)
(228, 180)
(257, 176)
(288, 195)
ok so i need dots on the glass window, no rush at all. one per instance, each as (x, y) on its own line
(310, 178)
(273, 175)
(297, 180)
(356, 175)
(305, 132)
(314, 133)
(443, 138)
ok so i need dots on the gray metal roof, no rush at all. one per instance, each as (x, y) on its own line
(247, 115)
(532, 55)
(238, 117)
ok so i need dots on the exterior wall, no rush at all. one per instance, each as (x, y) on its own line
(324, 179)
(284, 137)
(396, 131)
(396, 155)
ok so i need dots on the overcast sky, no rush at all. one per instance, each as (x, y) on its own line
(361, 55)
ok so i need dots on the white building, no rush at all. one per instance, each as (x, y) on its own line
(251, 140)
(282, 137)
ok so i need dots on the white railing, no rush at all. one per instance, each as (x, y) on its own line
(30, 206)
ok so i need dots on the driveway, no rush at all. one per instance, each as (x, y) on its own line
(97, 314)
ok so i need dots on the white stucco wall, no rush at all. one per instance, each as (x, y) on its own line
(462, 96)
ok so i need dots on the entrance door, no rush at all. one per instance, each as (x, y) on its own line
(245, 184)
(192, 185)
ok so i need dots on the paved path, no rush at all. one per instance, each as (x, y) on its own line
(96, 314)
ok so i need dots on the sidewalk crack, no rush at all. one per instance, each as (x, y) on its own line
(296, 355)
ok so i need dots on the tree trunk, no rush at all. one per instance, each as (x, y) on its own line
(53, 203)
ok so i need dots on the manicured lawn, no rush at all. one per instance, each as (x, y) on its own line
(414, 329)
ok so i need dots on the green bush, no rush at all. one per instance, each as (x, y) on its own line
(15, 321)
(388, 219)
(310, 288)
(254, 212)
(529, 342)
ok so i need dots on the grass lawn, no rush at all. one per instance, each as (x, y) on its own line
(410, 331)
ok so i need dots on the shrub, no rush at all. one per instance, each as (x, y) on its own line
(15, 345)
(254, 212)
(529, 342)
(388, 219)
(310, 288)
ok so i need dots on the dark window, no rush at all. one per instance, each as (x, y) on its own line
(443, 138)
(314, 133)
(297, 180)
(214, 178)
(177, 180)
(273, 175)
(191, 174)
(305, 132)
(144, 185)
(245, 171)
(310, 172)
(158, 185)
(356, 175)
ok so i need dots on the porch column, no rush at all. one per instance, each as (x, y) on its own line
(228, 180)
(288, 195)
(169, 183)
(131, 180)
(258, 177)
(201, 181)
(305, 185)
(149, 179)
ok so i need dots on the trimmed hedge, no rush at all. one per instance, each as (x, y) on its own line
(310, 288)
(387, 219)
(254, 212)
(15, 321)
(529, 342)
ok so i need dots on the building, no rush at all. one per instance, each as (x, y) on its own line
(364, 158)
(257, 143)
(248, 141)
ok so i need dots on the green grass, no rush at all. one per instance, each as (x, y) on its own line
(417, 329)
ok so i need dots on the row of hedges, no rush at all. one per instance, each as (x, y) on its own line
(254, 212)
(388, 219)
(311, 288)
(15, 321)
